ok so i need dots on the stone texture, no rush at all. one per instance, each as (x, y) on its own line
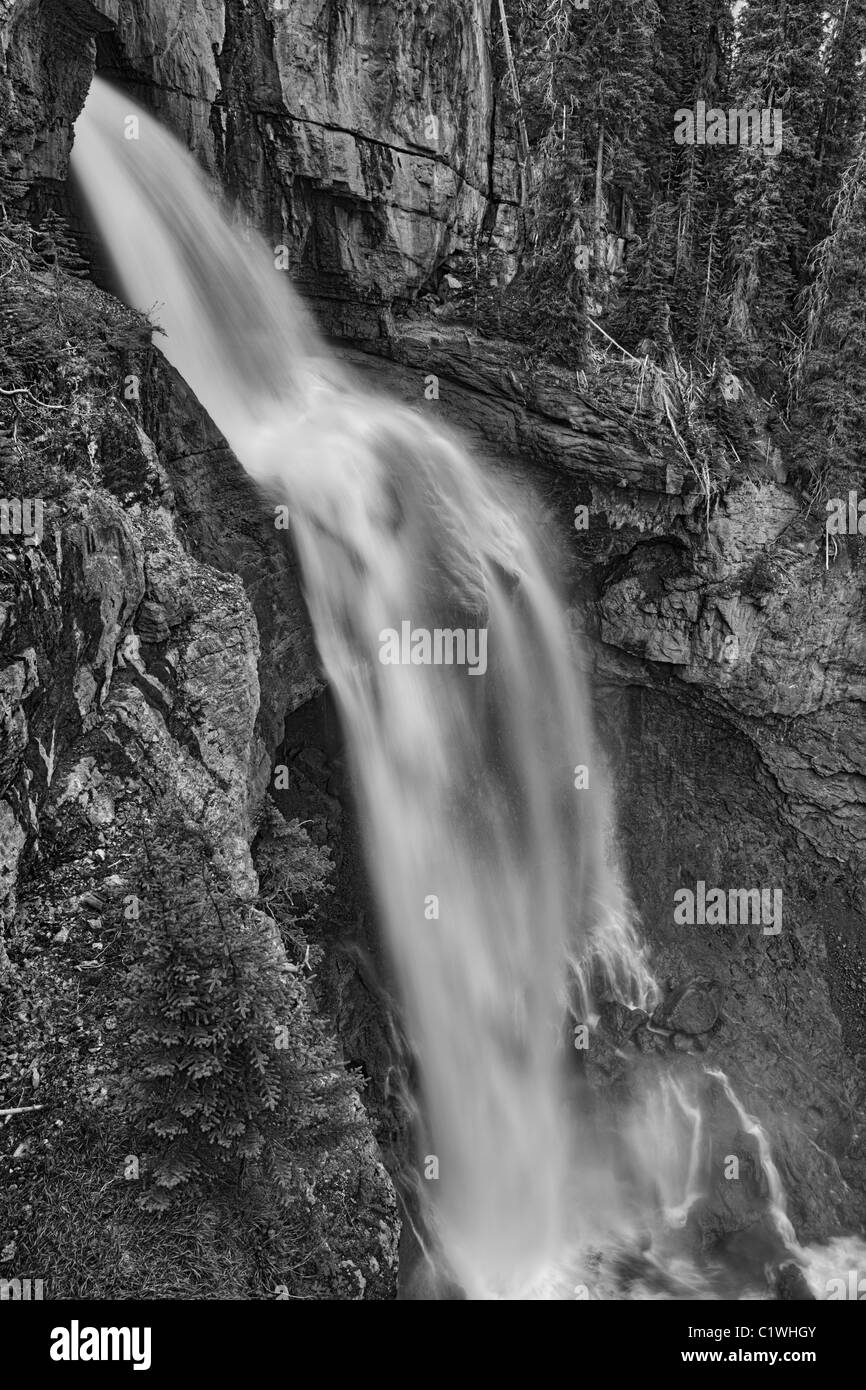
(692, 1008)
(358, 136)
(618, 1021)
(229, 526)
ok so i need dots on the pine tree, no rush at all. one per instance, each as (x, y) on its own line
(779, 65)
(644, 320)
(829, 418)
(585, 75)
(57, 248)
(843, 109)
(224, 1065)
(678, 261)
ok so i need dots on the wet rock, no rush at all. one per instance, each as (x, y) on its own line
(618, 1021)
(229, 526)
(421, 1280)
(791, 1284)
(738, 1222)
(691, 1009)
(649, 1041)
(605, 1065)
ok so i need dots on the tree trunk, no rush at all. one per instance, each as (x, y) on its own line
(526, 168)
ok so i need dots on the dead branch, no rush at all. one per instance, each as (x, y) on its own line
(25, 391)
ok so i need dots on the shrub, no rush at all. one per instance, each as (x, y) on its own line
(226, 1067)
(293, 872)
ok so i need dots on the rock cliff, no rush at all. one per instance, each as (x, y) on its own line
(361, 137)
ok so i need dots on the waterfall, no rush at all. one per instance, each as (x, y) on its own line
(455, 671)
(488, 862)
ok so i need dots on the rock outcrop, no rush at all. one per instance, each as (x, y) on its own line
(361, 138)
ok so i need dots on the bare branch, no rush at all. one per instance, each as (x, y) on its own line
(24, 391)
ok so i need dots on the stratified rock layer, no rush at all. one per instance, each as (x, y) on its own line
(359, 137)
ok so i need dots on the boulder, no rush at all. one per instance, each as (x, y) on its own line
(691, 1009)
(791, 1284)
(620, 1022)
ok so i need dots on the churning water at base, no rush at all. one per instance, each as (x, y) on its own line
(504, 917)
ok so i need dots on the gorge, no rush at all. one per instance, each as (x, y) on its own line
(158, 635)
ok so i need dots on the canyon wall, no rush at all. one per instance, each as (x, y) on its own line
(363, 137)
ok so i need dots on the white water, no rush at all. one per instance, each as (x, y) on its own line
(465, 781)
(778, 1202)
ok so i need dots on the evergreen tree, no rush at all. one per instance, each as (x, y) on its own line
(586, 77)
(829, 417)
(225, 1066)
(57, 248)
(779, 65)
(843, 108)
(673, 272)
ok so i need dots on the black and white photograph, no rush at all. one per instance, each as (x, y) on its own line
(432, 670)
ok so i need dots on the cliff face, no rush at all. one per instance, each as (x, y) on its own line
(361, 137)
(152, 638)
(728, 651)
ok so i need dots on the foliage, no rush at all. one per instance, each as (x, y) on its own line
(829, 374)
(294, 873)
(65, 348)
(226, 1067)
(696, 252)
(780, 64)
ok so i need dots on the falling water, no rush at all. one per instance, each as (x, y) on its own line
(778, 1203)
(501, 909)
